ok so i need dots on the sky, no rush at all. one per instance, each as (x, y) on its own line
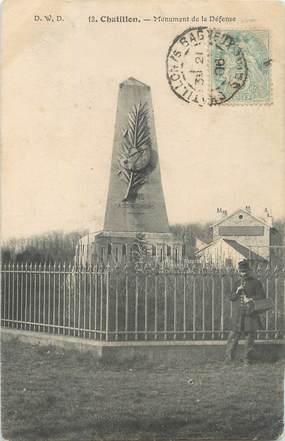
(59, 95)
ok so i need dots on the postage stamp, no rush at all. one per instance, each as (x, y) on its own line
(212, 67)
(254, 45)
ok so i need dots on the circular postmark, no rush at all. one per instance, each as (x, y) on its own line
(205, 66)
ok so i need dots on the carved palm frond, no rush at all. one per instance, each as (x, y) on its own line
(134, 155)
(137, 131)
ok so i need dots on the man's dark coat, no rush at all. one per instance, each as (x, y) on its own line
(242, 322)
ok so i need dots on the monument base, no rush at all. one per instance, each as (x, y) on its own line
(125, 247)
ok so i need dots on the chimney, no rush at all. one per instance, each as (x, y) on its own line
(269, 218)
(221, 213)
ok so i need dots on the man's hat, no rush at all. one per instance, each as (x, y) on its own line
(243, 265)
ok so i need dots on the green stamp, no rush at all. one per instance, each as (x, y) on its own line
(254, 63)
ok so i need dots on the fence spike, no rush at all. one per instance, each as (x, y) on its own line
(276, 269)
(267, 269)
(258, 268)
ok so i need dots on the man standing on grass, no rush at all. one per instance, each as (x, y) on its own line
(245, 322)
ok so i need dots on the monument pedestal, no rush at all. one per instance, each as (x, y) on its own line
(136, 223)
(126, 247)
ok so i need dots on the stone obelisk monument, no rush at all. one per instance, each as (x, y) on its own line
(135, 218)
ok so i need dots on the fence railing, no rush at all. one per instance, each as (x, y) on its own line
(131, 304)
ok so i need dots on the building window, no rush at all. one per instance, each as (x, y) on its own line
(116, 254)
(176, 255)
(102, 253)
(168, 251)
(153, 250)
(124, 250)
(240, 216)
(161, 255)
(228, 262)
(109, 249)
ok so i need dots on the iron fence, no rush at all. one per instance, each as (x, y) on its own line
(122, 303)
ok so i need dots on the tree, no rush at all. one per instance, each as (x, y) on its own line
(188, 233)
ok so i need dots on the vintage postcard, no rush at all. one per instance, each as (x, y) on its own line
(143, 220)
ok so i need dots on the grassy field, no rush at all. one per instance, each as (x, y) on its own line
(50, 393)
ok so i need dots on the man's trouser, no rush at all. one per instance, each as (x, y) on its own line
(232, 344)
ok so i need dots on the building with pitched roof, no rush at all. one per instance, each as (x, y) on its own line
(239, 235)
